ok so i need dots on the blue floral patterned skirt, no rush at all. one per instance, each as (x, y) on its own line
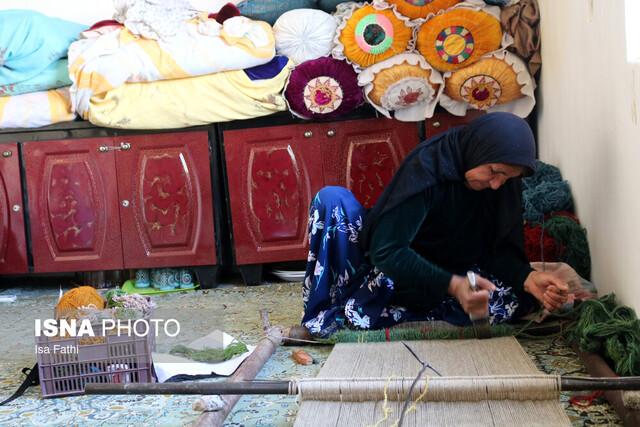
(342, 291)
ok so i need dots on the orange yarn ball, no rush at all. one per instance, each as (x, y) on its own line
(83, 296)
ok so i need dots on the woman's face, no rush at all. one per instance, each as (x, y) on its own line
(491, 175)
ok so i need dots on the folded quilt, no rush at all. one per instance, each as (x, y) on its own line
(220, 97)
(36, 109)
(109, 57)
(30, 43)
(54, 76)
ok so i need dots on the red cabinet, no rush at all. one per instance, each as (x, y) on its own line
(443, 121)
(272, 174)
(363, 155)
(120, 202)
(166, 211)
(73, 202)
(13, 247)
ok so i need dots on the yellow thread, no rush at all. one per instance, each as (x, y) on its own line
(386, 410)
(415, 402)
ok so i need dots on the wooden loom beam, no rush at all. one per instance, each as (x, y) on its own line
(241, 387)
(248, 370)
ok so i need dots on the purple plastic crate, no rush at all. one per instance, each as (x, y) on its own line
(72, 362)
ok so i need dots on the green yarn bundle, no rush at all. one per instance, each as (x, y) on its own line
(610, 330)
(573, 238)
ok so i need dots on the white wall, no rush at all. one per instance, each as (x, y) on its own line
(82, 11)
(590, 127)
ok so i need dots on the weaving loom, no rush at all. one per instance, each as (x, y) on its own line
(525, 398)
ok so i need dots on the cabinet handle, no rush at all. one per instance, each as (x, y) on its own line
(7, 153)
(124, 146)
(436, 124)
(331, 133)
(308, 134)
(125, 203)
(15, 208)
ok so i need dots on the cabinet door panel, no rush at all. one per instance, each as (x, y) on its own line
(166, 210)
(73, 205)
(13, 246)
(272, 174)
(363, 155)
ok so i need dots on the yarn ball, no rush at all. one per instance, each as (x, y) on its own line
(458, 38)
(323, 88)
(416, 9)
(370, 35)
(304, 34)
(83, 296)
(546, 197)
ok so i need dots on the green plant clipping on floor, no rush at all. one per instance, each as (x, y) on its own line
(210, 355)
(610, 330)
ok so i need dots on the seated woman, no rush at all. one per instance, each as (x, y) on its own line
(454, 205)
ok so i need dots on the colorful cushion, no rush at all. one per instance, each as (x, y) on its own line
(304, 34)
(416, 9)
(498, 82)
(323, 88)
(404, 83)
(368, 34)
(271, 10)
(458, 38)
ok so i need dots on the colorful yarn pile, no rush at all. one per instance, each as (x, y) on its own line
(552, 231)
(610, 330)
(80, 297)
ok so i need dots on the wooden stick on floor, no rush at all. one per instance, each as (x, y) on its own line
(246, 372)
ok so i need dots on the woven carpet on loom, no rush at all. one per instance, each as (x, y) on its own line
(498, 356)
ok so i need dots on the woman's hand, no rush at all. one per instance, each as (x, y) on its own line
(548, 289)
(473, 303)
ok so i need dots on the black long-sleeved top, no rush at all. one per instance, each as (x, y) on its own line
(420, 243)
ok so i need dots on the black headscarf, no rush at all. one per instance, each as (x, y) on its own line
(491, 138)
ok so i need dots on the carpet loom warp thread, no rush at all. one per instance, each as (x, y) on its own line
(611, 330)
